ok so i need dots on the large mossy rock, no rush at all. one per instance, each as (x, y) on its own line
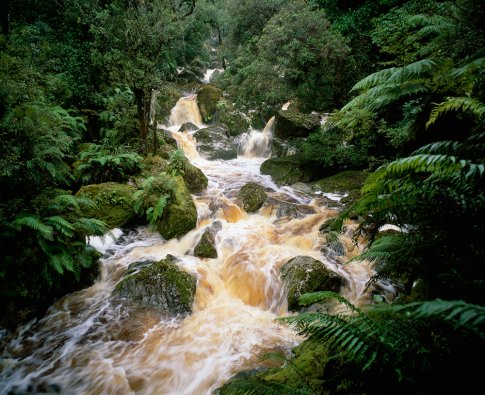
(345, 181)
(236, 122)
(168, 95)
(304, 274)
(291, 123)
(206, 247)
(159, 284)
(287, 170)
(252, 196)
(213, 143)
(195, 179)
(302, 376)
(180, 216)
(207, 98)
(114, 203)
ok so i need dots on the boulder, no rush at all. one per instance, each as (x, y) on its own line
(304, 274)
(286, 170)
(236, 122)
(252, 196)
(114, 203)
(162, 285)
(188, 127)
(165, 137)
(214, 144)
(165, 151)
(206, 248)
(289, 210)
(291, 123)
(194, 178)
(207, 98)
(280, 147)
(168, 95)
(342, 182)
(180, 215)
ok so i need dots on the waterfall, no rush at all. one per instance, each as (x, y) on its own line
(257, 144)
(186, 110)
(91, 342)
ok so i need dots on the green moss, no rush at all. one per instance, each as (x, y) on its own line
(167, 97)
(295, 124)
(161, 284)
(114, 203)
(207, 98)
(194, 178)
(304, 274)
(205, 248)
(252, 196)
(345, 181)
(286, 170)
(180, 216)
(235, 121)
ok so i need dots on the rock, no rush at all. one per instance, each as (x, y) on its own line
(286, 171)
(167, 97)
(206, 248)
(213, 143)
(291, 210)
(304, 274)
(252, 196)
(114, 203)
(303, 188)
(159, 284)
(207, 98)
(236, 122)
(165, 137)
(152, 166)
(291, 123)
(280, 147)
(187, 75)
(165, 151)
(215, 75)
(342, 182)
(195, 179)
(180, 215)
(188, 127)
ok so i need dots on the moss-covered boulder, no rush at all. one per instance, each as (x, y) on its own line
(302, 377)
(207, 98)
(114, 203)
(168, 95)
(180, 215)
(188, 127)
(252, 196)
(206, 247)
(280, 147)
(342, 182)
(286, 170)
(213, 143)
(159, 284)
(195, 179)
(291, 123)
(304, 274)
(286, 209)
(152, 166)
(165, 137)
(236, 122)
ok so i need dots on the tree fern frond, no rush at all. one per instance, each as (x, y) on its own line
(315, 297)
(35, 223)
(469, 68)
(61, 225)
(458, 104)
(90, 226)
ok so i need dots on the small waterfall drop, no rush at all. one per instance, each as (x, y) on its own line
(257, 144)
(186, 110)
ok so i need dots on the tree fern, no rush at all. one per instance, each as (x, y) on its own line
(465, 105)
(35, 223)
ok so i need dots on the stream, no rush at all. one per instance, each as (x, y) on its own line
(92, 343)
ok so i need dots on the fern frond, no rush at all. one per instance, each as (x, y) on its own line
(476, 65)
(35, 223)
(315, 297)
(60, 224)
(458, 104)
(90, 226)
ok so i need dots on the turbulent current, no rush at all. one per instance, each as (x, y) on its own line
(92, 343)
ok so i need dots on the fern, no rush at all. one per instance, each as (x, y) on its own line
(35, 223)
(465, 105)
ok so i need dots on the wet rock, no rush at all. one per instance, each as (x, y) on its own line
(333, 247)
(215, 75)
(304, 274)
(213, 143)
(165, 137)
(206, 248)
(236, 122)
(188, 127)
(280, 147)
(114, 203)
(303, 188)
(286, 170)
(165, 151)
(207, 98)
(168, 95)
(291, 123)
(180, 216)
(252, 196)
(159, 284)
(342, 182)
(195, 179)
(152, 166)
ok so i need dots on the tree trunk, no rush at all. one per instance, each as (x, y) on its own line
(142, 99)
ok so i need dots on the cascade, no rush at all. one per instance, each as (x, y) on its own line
(91, 343)
(257, 144)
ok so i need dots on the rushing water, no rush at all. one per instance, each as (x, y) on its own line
(92, 343)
